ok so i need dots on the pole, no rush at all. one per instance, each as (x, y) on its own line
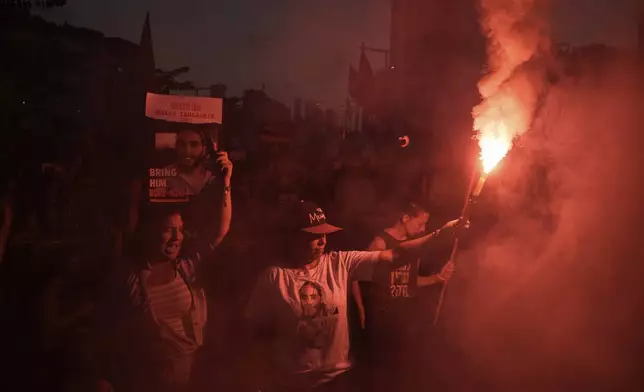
(455, 246)
(377, 50)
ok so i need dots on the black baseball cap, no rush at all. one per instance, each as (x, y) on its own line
(310, 218)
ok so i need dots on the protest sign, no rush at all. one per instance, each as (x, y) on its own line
(177, 108)
(183, 144)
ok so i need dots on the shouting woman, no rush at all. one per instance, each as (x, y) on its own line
(162, 312)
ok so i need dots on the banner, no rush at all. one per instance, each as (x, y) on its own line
(183, 109)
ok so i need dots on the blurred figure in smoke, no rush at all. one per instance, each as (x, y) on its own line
(310, 350)
(162, 312)
(392, 301)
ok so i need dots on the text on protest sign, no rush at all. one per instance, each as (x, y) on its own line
(161, 189)
(176, 108)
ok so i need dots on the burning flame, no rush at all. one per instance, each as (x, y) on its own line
(494, 146)
(496, 122)
(516, 32)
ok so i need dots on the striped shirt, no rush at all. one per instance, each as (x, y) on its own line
(171, 303)
(196, 317)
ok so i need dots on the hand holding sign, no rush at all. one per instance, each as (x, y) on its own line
(226, 166)
(220, 159)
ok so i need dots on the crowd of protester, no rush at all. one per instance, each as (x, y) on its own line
(102, 290)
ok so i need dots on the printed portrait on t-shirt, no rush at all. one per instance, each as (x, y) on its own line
(318, 321)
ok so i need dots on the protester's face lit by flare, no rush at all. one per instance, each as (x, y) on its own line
(311, 245)
(172, 236)
(415, 225)
(190, 148)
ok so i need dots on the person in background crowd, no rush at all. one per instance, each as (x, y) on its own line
(164, 312)
(404, 281)
(298, 311)
(392, 301)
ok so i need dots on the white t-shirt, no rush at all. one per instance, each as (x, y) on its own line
(308, 312)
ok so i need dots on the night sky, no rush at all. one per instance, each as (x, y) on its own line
(298, 48)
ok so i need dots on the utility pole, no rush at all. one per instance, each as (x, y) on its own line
(377, 50)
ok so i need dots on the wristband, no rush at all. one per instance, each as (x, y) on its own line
(226, 193)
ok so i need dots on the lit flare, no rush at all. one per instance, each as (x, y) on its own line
(493, 122)
(495, 143)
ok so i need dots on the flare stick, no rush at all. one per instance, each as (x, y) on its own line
(472, 192)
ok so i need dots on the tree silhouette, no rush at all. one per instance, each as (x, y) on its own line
(167, 80)
(28, 4)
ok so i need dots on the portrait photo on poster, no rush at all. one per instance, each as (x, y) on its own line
(182, 161)
(186, 139)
